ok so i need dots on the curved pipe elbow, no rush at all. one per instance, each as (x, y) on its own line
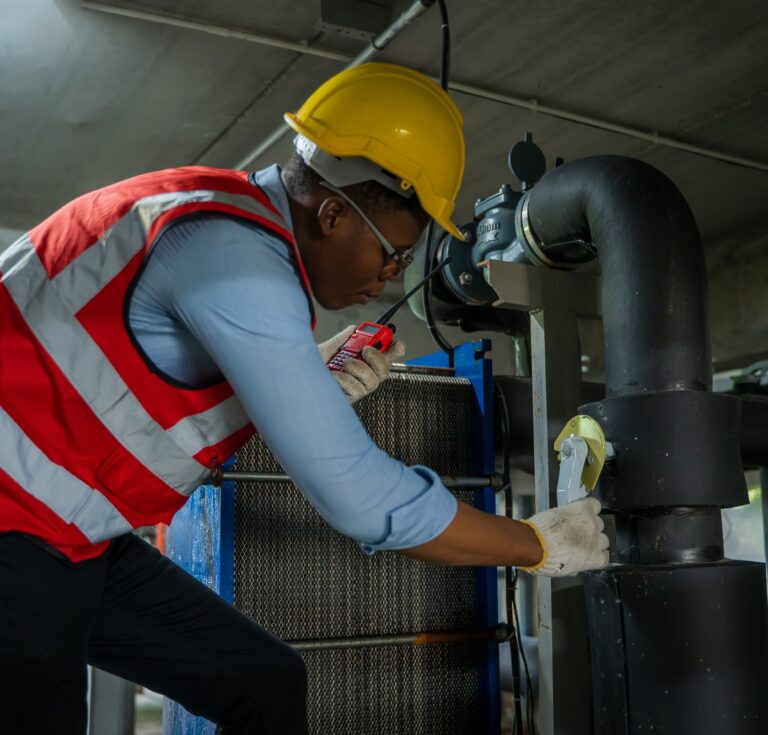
(654, 284)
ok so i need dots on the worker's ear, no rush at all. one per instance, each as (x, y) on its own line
(332, 215)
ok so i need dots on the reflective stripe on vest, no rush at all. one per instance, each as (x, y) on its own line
(69, 498)
(51, 290)
(91, 374)
(87, 274)
(194, 433)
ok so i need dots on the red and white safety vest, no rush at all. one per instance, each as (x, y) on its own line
(93, 443)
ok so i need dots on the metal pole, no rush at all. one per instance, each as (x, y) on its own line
(494, 481)
(375, 45)
(112, 709)
(499, 633)
(764, 503)
(556, 380)
(651, 136)
(190, 24)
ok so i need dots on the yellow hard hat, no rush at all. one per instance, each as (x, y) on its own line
(399, 119)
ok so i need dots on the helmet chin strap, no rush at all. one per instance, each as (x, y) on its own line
(348, 170)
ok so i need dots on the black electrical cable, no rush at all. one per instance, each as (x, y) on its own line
(529, 685)
(437, 336)
(513, 619)
(445, 62)
(514, 642)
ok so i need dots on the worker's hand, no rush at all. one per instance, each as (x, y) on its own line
(572, 539)
(361, 377)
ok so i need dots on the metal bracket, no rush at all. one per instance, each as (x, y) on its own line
(526, 287)
(582, 451)
(573, 452)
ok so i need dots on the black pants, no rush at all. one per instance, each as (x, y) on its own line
(134, 613)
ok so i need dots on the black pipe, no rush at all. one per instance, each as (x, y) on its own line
(754, 430)
(764, 504)
(677, 461)
(685, 536)
(654, 282)
(678, 649)
(518, 400)
(753, 433)
(671, 625)
(655, 319)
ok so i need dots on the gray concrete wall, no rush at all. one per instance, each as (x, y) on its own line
(738, 297)
(7, 236)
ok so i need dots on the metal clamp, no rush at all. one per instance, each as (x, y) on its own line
(573, 457)
(582, 451)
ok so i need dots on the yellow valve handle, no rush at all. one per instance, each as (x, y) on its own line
(592, 433)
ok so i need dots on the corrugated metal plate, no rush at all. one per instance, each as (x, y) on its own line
(302, 580)
(398, 690)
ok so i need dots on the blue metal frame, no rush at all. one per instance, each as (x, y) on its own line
(201, 541)
(470, 362)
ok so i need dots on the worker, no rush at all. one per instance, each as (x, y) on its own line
(147, 328)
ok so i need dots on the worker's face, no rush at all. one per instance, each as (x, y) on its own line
(347, 264)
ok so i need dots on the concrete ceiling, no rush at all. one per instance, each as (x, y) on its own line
(87, 98)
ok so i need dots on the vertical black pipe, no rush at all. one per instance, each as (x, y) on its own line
(653, 272)
(687, 639)
(764, 503)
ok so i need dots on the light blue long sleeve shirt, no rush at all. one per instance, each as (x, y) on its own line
(220, 297)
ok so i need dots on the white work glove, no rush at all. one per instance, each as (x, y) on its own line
(572, 538)
(361, 377)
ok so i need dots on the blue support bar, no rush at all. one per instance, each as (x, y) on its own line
(201, 541)
(227, 550)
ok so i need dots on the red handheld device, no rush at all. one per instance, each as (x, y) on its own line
(376, 334)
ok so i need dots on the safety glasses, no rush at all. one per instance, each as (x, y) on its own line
(402, 260)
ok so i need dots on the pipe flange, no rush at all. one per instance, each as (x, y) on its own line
(532, 246)
(461, 276)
